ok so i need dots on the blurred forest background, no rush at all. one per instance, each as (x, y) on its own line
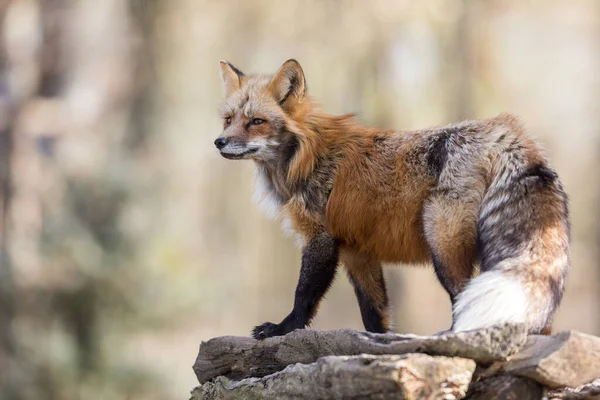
(126, 239)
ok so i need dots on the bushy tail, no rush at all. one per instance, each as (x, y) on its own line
(523, 243)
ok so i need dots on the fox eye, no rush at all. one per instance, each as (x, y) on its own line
(257, 121)
(227, 120)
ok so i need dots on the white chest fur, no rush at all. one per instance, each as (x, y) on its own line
(264, 194)
(270, 203)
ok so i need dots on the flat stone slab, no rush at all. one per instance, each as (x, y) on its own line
(411, 376)
(566, 359)
(242, 357)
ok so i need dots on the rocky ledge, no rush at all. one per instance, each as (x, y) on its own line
(499, 362)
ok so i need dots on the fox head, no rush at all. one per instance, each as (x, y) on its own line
(260, 112)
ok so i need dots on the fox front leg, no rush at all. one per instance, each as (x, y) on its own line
(319, 263)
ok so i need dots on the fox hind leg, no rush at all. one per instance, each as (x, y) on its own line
(366, 275)
(450, 228)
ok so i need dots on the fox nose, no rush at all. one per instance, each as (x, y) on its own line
(221, 142)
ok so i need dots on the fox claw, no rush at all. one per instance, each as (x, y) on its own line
(266, 330)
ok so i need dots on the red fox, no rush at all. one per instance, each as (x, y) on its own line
(466, 194)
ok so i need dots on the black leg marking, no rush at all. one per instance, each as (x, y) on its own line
(319, 263)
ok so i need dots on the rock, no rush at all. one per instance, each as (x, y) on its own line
(349, 364)
(565, 359)
(589, 391)
(412, 376)
(243, 357)
(505, 387)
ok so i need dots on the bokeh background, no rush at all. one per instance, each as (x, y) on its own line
(126, 239)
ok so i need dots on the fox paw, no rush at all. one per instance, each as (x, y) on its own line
(266, 330)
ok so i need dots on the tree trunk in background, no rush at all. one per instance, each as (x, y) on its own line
(597, 4)
(16, 60)
(6, 279)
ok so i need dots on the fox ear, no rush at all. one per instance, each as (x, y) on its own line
(288, 83)
(231, 76)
